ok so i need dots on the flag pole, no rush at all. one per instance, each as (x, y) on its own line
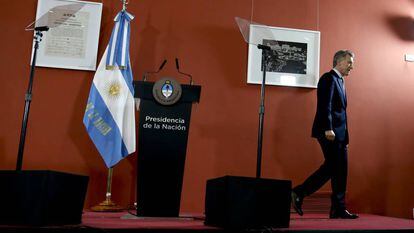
(124, 4)
(108, 205)
(112, 143)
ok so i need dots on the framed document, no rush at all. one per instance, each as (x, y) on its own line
(292, 61)
(73, 44)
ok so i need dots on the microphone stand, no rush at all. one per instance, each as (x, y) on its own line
(144, 78)
(178, 70)
(28, 97)
(265, 50)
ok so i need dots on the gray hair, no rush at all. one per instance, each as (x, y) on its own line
(340, 55)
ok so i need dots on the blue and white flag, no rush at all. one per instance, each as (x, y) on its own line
(109, 115)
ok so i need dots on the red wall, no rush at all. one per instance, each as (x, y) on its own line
(223, 133)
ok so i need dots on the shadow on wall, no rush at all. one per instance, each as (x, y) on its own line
(402, 26)
(172, 44)
(146, 54)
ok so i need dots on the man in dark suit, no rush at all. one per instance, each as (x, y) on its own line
(330, 128)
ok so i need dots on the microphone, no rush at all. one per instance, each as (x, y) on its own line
(178, 69)
(162, 65)
(144, 78)
(176, 64)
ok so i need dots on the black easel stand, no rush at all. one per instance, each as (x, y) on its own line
(28, 97)
(39, 197)
(265, 50)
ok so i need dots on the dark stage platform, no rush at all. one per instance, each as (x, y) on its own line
(123, 222)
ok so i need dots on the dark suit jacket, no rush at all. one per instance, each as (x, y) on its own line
(331, 108)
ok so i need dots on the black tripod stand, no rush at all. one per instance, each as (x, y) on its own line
(266, 56)
(28, 97)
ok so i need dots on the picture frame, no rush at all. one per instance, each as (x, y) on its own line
(293, 58)
(74, 45)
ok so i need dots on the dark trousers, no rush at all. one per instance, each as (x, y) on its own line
(335, 167)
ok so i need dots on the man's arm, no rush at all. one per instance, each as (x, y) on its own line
(325, 95)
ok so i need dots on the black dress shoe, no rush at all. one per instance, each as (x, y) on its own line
(297, 203)
(344, 214)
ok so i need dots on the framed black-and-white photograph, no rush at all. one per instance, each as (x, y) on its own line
(292, 61)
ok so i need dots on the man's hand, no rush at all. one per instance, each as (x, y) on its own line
(330, 135)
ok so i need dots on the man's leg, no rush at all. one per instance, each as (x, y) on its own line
(339, 177)
(338, 182)
(317, 179)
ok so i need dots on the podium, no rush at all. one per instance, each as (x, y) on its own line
(162, 145)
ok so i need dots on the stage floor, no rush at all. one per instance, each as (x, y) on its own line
(123, 222)
(309, 222)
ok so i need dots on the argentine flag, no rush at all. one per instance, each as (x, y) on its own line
(109, 116)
